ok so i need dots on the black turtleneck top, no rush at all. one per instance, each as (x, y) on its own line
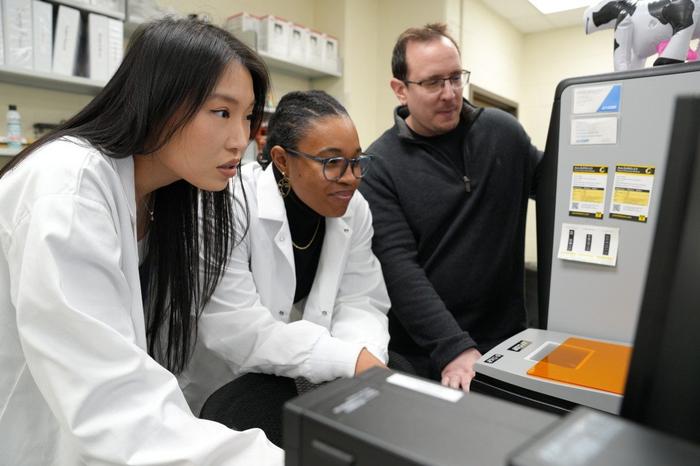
(307, 228)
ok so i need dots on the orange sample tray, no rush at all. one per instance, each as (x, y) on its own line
(589, 363)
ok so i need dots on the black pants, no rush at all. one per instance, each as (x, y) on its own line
(256, 400)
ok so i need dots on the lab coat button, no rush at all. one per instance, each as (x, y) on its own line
(325, 313)
(281, 238)
(281, 313)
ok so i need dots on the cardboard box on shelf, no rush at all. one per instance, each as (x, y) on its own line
(242, 22)
(298, 43)
(330, 53)
(314, 50)
(274, 36)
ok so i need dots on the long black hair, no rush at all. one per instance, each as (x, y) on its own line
(170, 69)
(295, 113)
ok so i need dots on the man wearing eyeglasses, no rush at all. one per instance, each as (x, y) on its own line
(448, 191)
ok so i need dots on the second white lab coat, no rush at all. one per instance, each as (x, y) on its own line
(77, 385)
(246, 326)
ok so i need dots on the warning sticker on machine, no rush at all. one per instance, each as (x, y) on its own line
(588, 184)
(493, 358)
(519, 346)
(632, 190)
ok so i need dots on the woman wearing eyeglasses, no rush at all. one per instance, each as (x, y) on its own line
(303, 295)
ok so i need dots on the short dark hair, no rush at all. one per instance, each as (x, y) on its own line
(295, 112)
(429, 32)
(169, 70)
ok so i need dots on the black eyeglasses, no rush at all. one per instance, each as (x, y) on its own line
(457, 81)
(334, 167)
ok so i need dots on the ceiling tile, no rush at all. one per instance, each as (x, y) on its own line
(527, 19)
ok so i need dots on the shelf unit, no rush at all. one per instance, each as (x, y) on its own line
(282, 65)
(285, 66)
(55, 82)
(7, 152)
(58, 82)
(90, 8)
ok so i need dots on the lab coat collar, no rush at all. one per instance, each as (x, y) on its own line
(270, 203)
(337, 237)
(125, 169)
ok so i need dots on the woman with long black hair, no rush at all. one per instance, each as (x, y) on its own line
(88, 356)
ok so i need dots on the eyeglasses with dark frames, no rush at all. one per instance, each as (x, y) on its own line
(456, 80)
(334, 167)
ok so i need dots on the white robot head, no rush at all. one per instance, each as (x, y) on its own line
(607, 14)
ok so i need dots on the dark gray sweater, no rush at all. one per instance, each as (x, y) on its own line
(451, 241)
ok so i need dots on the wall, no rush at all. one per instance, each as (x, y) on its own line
(492, 49)
(357, 89)
(396, 16)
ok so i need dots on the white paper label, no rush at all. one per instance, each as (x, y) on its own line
(589, 131)
(425, 387)
(588, 243)
(597, 99)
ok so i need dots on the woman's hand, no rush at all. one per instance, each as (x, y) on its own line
(366, 360)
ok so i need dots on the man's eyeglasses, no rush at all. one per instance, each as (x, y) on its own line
(457, 81)
(334, 167)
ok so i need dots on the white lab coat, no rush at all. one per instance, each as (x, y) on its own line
(76, 384)
(246, 326)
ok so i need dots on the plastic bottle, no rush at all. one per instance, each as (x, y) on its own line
(14, 128)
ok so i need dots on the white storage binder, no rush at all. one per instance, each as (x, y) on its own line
(65, 47)
(98, 47)
(17, 30)
(115, 44)
(2, 42)
(42, 29)
(116, 6)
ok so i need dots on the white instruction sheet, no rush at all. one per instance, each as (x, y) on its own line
(590, 131)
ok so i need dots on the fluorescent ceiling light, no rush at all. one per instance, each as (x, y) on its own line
(555, 6)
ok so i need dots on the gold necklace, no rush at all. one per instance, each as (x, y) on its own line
(148, 205)
(302, 248)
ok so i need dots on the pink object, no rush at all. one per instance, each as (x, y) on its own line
(692, 54)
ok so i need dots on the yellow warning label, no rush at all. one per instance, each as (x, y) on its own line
(631, 197)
